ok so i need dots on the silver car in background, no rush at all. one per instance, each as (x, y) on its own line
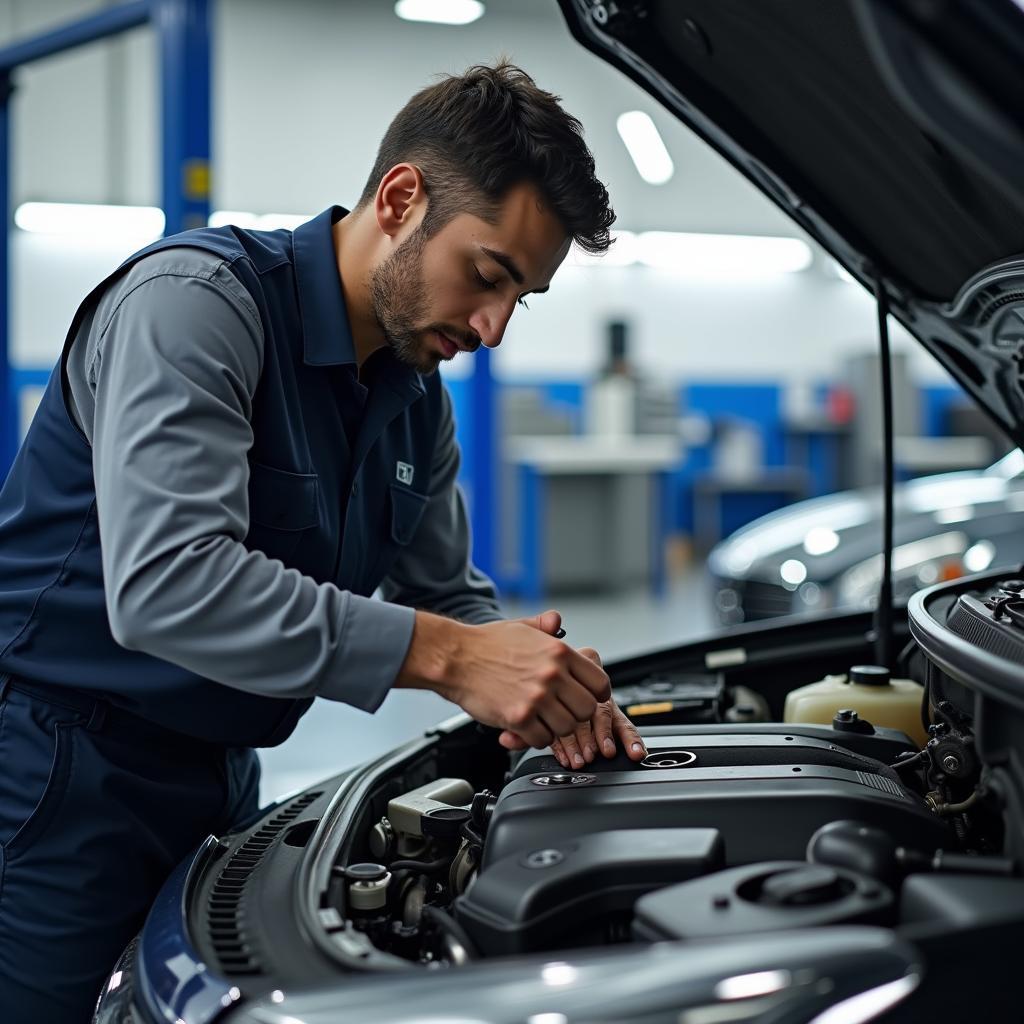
(824, 553)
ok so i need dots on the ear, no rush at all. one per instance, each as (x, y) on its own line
(401, 200)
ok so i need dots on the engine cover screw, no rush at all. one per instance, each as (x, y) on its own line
(544, 858)
(951, 764)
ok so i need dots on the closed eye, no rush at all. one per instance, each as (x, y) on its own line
(491, 285)
(483, 281)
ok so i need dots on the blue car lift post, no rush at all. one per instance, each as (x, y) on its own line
(484, 463)
(183, 35)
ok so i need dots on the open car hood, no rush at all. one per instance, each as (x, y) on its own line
(891, 131)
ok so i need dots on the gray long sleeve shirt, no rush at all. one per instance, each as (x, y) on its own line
(161, 376)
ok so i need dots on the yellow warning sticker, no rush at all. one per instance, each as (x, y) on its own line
(649, 709)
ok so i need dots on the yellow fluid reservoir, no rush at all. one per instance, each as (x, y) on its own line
(868, 690)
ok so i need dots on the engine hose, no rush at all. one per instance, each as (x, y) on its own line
(428, 867)
(910, 762)
(959, 808)
(460, 946)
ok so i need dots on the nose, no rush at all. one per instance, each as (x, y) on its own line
(489, 322)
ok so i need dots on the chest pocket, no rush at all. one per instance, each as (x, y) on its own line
(282, 507)
(401, 519)
(406, 512)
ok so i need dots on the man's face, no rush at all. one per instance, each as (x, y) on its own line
(434, 298)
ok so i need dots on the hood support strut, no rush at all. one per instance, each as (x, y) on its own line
(884, 610)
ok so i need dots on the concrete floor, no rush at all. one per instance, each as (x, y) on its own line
(619, 623)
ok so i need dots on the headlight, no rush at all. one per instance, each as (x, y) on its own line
(917, 564)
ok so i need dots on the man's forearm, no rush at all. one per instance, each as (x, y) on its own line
(435, 653)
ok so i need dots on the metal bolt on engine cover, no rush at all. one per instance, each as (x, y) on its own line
(562, 779)
(544, 859)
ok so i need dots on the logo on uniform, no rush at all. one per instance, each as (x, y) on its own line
(404, 472)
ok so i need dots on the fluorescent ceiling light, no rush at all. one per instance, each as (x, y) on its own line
(257, 221)
(240, 218)
(722, 255)
(272, 221)
(441, 12)
(644, 143)
(141, 222)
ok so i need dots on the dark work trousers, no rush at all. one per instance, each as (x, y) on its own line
(96, 808)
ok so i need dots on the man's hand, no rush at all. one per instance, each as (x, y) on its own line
(581, 746)
(515, 675)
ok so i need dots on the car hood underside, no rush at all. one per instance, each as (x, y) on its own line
(892, 133)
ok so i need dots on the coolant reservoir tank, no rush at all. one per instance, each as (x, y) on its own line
(869, 690)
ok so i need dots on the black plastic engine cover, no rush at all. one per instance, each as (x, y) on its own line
(762, 898)
(766, 793)
(537, 899)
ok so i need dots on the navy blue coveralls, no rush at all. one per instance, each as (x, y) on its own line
(115, 764)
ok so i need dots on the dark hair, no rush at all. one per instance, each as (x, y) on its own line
(476, 135)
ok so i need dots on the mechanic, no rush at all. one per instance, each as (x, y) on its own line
(252, 424)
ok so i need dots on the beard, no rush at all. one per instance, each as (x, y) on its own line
(399, 302)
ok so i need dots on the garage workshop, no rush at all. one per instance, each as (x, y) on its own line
(513, 511)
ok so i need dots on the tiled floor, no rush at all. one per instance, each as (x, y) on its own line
(334, 736)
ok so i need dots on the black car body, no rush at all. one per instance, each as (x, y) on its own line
(444, 882)
(824, 553)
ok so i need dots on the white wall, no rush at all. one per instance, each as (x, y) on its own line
(84, 123)
(793, 327)
(303, 91)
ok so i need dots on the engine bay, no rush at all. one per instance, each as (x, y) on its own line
(733, 824)
(740, 835)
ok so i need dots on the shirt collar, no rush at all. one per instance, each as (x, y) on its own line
(326, 333)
